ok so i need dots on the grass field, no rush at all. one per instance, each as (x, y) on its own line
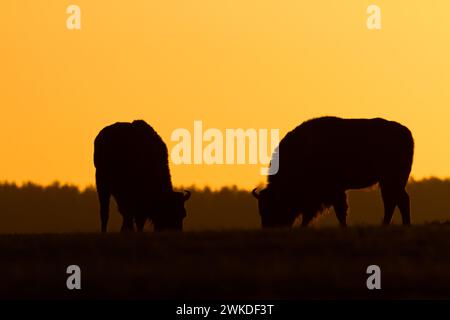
(327, 263)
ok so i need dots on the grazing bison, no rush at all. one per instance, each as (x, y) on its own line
(322, 158)
(132, 166)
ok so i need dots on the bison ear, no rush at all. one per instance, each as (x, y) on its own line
(187, 195)
(255, 194)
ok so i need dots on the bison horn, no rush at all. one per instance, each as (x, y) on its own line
(187, 195)
(255, 194)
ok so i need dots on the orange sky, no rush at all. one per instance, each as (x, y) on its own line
(231, 64)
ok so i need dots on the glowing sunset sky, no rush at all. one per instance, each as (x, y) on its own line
(232, 64)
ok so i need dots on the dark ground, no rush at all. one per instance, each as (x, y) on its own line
(327, 263)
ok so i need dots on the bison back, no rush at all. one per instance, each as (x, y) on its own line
(344, 153)
(132, 154)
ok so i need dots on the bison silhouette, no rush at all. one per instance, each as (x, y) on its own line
(131, 164)
(323, 157)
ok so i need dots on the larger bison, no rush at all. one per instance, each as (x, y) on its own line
(132, 166)
(322, 158)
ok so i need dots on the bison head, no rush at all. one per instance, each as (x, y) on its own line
(273, 209)
(172, 212)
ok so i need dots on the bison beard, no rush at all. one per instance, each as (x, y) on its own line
(132, 166)
(322, 158)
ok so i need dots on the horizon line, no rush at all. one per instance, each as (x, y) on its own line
(192, 186)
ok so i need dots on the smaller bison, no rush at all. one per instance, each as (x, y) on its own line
(322, 158)
(131, 164)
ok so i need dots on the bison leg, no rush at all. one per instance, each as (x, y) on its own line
(103, 198)
(389, 200)
(392, 197)
(340, 208)
(306, 218)
(140, 222)
(404, 206)
(127, 224)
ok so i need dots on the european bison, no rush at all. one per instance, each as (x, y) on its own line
(322, 158)
(132, 166)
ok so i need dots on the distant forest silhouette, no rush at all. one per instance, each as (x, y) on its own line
(32, 208)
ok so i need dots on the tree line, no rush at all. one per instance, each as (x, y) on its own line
(33, 208)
